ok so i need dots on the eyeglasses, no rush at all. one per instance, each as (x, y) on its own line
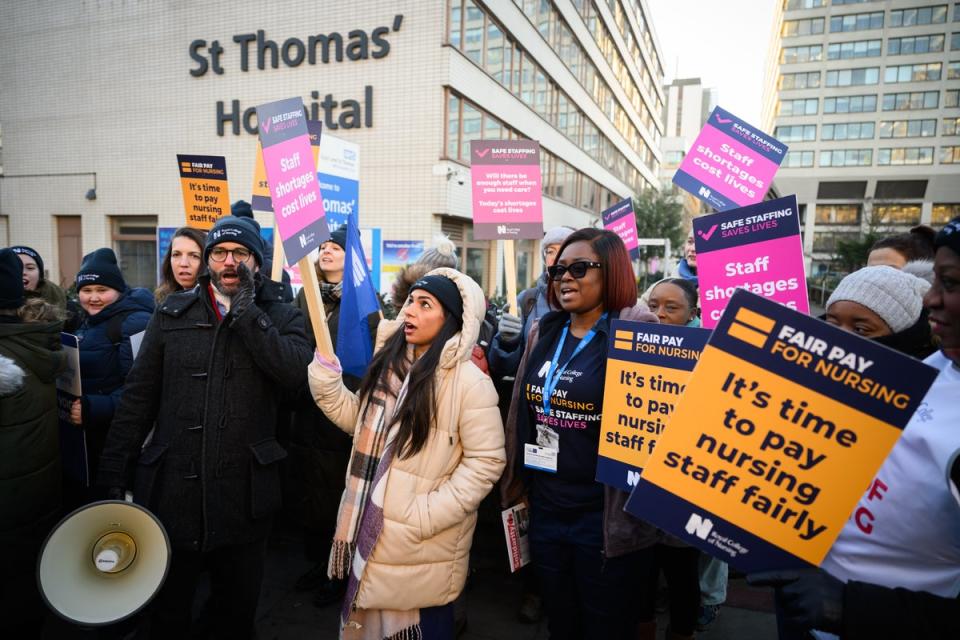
(219, 254)
(576, 269)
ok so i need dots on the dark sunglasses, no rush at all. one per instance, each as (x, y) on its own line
(576, 269)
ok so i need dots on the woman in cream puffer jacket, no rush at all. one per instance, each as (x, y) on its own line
(431, 498)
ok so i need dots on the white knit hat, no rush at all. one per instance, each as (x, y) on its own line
(554, 235)
(895, 296)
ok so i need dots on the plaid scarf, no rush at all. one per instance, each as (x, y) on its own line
(360, 518)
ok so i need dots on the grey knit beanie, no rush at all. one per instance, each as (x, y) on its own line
(895, 296)
(443, 253)
(555, 235)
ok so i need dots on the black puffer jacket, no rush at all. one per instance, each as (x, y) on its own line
(211, 471)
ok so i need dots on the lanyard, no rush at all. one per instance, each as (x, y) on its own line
(555, 372)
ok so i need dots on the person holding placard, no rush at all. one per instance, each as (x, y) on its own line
(183, 262)
(894, 571)
(427, 448)
(584, 546)
(30, 359)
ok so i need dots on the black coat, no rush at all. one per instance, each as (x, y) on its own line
(210, 472)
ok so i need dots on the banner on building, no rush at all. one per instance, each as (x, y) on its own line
(731, 163)
(506, 184)
(648, 365)
(757, 248)
(203, 181)
(339, 174)
(783, 424)
(621, 220)
(260, 197)
(291, 173)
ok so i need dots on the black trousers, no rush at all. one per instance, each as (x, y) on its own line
(680, 568)
(236, 573)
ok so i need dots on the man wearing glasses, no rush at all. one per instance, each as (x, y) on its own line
(213, 368)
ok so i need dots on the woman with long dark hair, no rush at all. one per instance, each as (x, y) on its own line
(584, 546)
(183, 262)
(427, 447)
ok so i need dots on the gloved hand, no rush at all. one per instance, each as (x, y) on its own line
(246, 289)
(509, 327)
(807, 598)
(116, 493)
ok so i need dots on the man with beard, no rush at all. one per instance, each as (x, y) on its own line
(215, 363)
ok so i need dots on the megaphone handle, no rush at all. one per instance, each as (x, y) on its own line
(128, 496)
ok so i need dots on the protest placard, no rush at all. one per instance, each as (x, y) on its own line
(731, 163)
(395, 255)
(648, 366)
(516, 525)
(260, 197)
(783, 423)
(757, 248)
(203, 181)
(507, 201)
(621, 220)
(73, 439)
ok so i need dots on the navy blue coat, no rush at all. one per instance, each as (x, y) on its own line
(104, 365)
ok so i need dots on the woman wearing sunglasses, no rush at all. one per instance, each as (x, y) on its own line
(583, 543)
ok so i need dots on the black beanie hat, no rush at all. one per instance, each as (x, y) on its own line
(243, 231)
(949, 236)
(443, 289)
(27, 251)
(339, 237)
(100, 267)
(11, 280)
(242, 209)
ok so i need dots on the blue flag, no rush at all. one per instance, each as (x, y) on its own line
(357, 301)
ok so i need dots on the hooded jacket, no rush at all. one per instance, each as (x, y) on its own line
(431, 501)
(211, 471)
(30, 359)
(104, 365)
(622, 533)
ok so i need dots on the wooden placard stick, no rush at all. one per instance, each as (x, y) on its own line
(276, 273)
(318, 315)
(510, 274)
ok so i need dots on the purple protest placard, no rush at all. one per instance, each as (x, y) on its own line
(731, 163)
(620, 219)
(506, 181)
(292, 176)
(757, 248)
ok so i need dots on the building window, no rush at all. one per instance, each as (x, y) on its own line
(850, 104)
(915, 44)
(953, 70)
(904, 156)
(134, 240)
(827, 242)
(791, 5)
(846, 158)
(811, 53)
(840, 2)
(856, 22)
(911, 100)
(908, 128)
(838, 214)
(847, 131)
(799, 107)
(798, 159)
(897, 213)
(807, 80)
(796, 133)
(951, 127)
(949, 155)
(951, 98)
(806, 27)
(955, 42)
(912, 72)
(919, 15)
(857, 49)
(944, 213)
(853, 77)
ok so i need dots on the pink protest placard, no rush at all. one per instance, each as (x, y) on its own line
(757, 248)
(506, 183)
(292, 176)
(731, 163)
(620, 219)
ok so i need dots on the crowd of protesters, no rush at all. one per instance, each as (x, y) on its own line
(209, 401)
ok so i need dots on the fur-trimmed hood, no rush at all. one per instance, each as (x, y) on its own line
(11, 377)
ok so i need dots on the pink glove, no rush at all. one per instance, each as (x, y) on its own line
(330, 365)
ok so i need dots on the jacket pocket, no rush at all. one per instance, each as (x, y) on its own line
(265, 484)
(145, 475)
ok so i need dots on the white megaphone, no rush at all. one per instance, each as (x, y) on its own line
(103, 563)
